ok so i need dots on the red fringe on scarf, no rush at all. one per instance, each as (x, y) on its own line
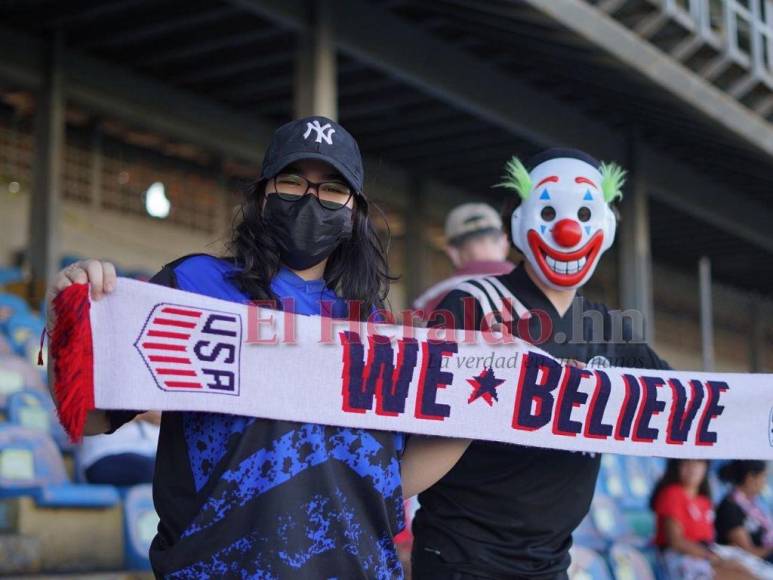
(73, 358)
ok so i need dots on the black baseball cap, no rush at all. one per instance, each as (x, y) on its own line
(315, 138)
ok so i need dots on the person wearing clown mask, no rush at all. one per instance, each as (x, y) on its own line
(506, 511)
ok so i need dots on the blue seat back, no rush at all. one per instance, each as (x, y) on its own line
(141, 523)
(608, 518)
(28, 459)
(588, 565)
(10, 304)
(17, 374)
(24, 330)
(628, 563)
(588, 536)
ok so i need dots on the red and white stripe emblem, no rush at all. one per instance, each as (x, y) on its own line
(178, 342)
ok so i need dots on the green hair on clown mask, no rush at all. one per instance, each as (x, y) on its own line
(517, 178)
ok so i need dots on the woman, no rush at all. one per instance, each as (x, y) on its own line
(685, 524)
(244, 497)
(741, 522)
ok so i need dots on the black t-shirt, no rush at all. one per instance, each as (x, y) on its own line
(508, 511)
(240, 497)
(730, 516)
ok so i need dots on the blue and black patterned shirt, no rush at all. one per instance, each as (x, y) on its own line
(240, 497)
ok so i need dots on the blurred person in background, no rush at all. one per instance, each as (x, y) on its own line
(247, 497)
(127, 457)
(741, 520)
(684, 514)
(476, 246)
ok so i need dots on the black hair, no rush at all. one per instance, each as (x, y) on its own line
(357, 270)
(736, 471)
(671, 475)
(561, 153)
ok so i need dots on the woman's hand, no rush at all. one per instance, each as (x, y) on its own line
(100, 276)
(102, 279)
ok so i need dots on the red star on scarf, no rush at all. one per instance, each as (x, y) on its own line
(484, 386)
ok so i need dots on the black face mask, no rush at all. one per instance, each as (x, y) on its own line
(305, 232)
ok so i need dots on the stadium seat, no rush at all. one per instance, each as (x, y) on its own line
(611, 481)
(588, 565)
(628, 563)
(638, 481)
(31, 465)
(17, 374)
(79, 527)
(10, 304)
(35, 410)
(5, 345)
(588, 536)
(140, 524)
(24, 330)
(610, 522)
(10, 274)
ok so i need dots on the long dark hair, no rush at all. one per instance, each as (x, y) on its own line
(736, 472)
(357, 270)
(671, 475)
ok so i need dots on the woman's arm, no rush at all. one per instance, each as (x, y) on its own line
(676, 541)
(427, 459)
(740, 537)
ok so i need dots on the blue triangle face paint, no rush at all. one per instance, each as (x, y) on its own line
(587, 230)
(588, 196)
(544, 194)
(542, 229)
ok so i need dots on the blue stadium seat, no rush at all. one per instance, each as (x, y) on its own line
(31, 465)
(10, 274)
(588, 565)
(629, 563)
(17, 374)
(610, 521)
(611, 481)
(35, 410)
(588, 536)
(24, 330)
(639, 481)
(10, 304)
(140, 524)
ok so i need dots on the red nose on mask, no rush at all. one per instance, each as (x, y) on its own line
(567, 233)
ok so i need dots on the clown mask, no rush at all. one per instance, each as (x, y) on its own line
(564, 222)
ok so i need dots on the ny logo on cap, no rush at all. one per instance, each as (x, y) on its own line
(323, 132)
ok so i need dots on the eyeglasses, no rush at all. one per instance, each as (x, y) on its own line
(329, 194)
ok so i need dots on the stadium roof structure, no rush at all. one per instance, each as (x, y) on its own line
(448, 90)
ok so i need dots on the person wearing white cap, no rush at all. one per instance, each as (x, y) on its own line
(477, 247)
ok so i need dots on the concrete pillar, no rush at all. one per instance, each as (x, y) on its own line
(634, 249)
(757, 334)
(707, 314)
(415, 247)
(48, 163)
(96, 167)
(315, 66)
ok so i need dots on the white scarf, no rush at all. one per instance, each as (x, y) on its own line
(149, 347)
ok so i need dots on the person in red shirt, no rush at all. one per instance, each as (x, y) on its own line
(685, 524)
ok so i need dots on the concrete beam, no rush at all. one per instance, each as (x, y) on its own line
(316, 79)
(457, 78)
(117, 92)
(603, 31)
